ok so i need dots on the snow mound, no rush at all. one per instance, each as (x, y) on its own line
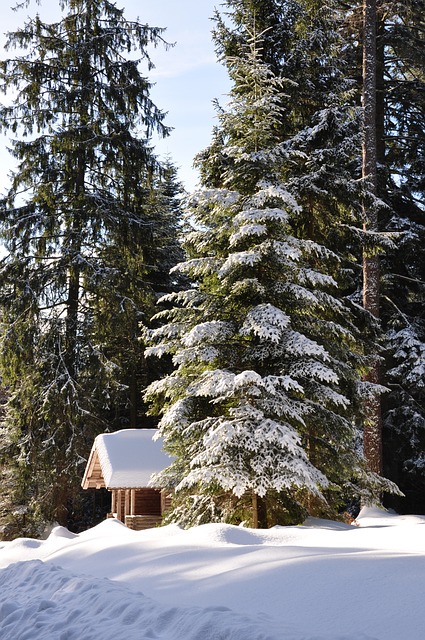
(213, 534)
(108, 527)
(42, 602)
(320, 523)
(377, 517)
(62, 532)
(25, 543)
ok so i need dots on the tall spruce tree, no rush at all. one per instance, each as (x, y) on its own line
(257, 412)
(85, 241)
(399, 127)
(321, 125)
(322, 128)
(401, 163)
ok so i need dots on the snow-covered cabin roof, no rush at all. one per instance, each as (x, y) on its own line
(124, 460)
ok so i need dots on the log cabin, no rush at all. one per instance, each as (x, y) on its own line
(123, 463)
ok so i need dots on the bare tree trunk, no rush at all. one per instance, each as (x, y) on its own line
(371, 266)
(254, 510)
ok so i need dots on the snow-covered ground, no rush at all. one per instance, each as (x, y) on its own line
(322, 580)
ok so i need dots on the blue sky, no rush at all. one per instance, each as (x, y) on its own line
(187, 77)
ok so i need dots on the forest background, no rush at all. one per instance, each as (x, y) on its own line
(266, 349)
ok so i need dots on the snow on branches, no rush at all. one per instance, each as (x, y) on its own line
(265, 321)
(256, 378)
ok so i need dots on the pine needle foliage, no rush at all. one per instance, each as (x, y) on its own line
(85, 240)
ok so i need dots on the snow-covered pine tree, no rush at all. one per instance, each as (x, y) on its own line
(84, 241)
(265, 352)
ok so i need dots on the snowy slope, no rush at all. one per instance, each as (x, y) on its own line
(323, 580)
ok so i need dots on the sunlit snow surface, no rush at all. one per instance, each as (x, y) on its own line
(319, 581)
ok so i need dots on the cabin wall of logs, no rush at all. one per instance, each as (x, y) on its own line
(139, 508)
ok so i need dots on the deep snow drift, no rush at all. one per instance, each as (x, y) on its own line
(322, 580)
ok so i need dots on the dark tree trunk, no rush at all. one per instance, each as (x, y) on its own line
(254, 510)
(259, 512)
(371, 266)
